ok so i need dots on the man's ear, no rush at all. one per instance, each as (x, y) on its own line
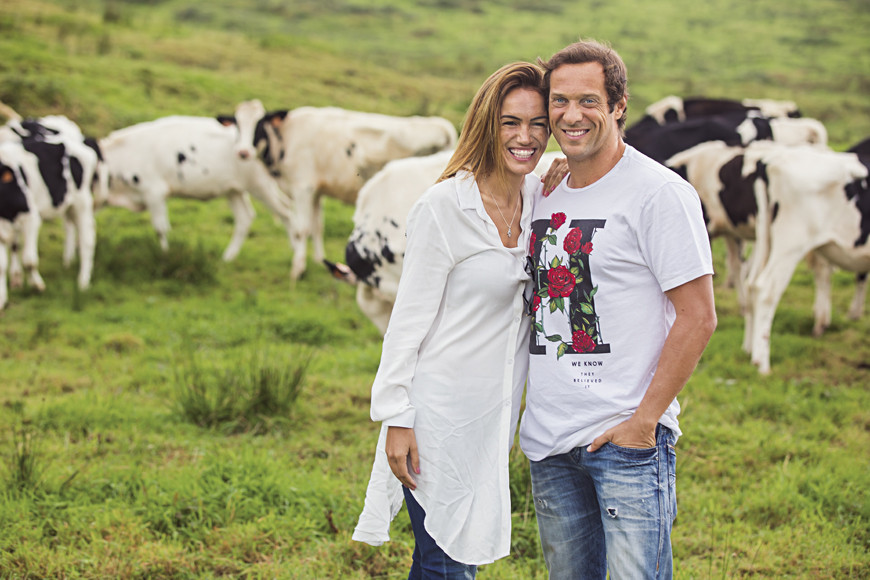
(620, 107)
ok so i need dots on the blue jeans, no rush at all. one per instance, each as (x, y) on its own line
(613, 508)
(430, 562)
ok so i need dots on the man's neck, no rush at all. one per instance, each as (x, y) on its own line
(585, 172)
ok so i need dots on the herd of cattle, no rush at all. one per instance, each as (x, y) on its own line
(764, 175)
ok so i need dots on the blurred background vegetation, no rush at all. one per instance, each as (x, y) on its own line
(110, 63)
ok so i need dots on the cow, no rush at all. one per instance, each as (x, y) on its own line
(814, 200)
(661, 142)
(715, 170)
(727, 185)
(376, 247)
(328, 151)
(188, 157)
(856, 310)
(44, 174)
(53, 127)
(673, 109)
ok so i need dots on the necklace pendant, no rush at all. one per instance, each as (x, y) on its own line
(509, 231)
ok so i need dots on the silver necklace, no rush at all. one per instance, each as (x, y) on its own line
(513, 215)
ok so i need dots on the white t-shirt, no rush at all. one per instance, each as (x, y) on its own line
(604, 256)
(453, 367)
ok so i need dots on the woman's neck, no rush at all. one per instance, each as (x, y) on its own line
(504, 193)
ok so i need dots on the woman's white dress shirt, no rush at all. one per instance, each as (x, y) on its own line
(453, 367)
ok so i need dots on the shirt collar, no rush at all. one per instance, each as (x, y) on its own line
(469, 193)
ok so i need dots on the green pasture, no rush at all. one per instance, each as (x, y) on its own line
(187, 418)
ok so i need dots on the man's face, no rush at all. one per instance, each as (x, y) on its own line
(580, 118)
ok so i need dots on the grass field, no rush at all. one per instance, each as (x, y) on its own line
(124, 455)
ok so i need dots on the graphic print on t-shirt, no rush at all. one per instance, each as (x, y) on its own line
(563, 283)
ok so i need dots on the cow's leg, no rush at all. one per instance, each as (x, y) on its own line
(30, 250)
(303, 198)
(69, 240)
(6, 239)
(822, 272)
(734, 261)
(243, 217)
(155, 203)
(856, 309)
(16, 272)
(4, 267)
(317, 228)
(751, 269)
(83, 217)
(767, 290)
(737, 269)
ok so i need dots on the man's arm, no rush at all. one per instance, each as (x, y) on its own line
(694, 325)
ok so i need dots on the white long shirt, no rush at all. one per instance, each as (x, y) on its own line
(453, 367)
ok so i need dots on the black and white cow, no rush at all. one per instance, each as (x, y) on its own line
(315, 152)
(815, 200)
(673, 109)
(856, 310)
(46, 171)
(728, 185)
(661, 142)
(376, 248)
(188, 157)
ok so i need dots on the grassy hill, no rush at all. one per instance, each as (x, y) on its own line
(111, 63)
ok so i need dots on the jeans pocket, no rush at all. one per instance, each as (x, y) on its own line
(637, 453)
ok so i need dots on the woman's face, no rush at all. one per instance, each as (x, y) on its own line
(523, 130)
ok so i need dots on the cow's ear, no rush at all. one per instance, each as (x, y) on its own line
(226, 120)
(275, 118)
(6, 175)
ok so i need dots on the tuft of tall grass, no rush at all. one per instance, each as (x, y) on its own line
(24, 460)
(254, 396)
(139, 258)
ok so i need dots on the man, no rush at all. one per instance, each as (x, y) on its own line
(623, 308)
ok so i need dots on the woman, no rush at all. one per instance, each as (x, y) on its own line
(454, 359)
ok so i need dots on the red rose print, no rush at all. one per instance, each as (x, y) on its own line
(560, 282)
(532, 241)
(582, 342)
(572, 241)
(536, 303)
(556, 220)
(587, 248)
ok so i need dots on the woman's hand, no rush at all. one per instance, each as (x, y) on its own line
(554, 175)
(401, 448)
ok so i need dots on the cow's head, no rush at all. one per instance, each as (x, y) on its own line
(247, 116)
(269, 140)
(260, 133)
(12, 198)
